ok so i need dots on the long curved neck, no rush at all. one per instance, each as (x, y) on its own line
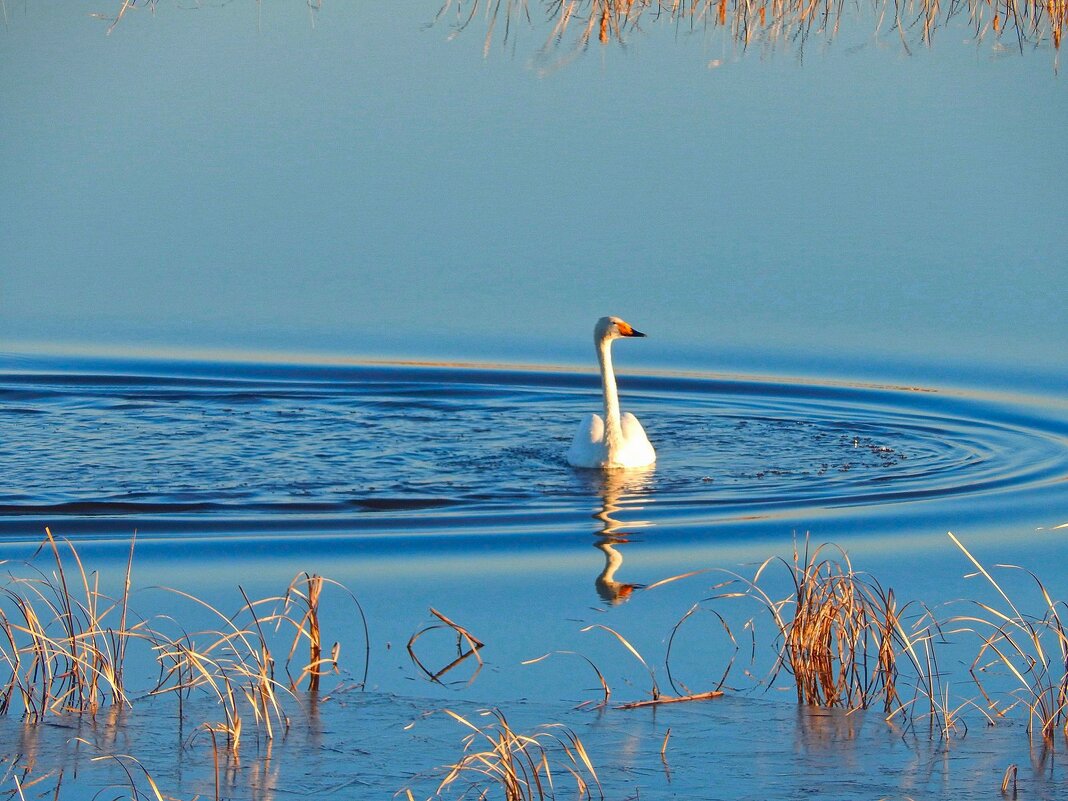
(613, 432)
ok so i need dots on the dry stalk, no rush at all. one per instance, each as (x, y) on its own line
(519, 766)
(467, 645)
(1032, 652)
(767, 22)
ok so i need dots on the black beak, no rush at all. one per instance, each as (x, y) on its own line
(634, 332)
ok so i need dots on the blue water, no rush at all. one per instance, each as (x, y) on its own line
(309, 287)
(445, 486)
(203, 450)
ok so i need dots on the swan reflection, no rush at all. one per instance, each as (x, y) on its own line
(620, 492)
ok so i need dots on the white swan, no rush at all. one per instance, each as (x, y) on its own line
(617, 441)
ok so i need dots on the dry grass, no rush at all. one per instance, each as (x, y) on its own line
(842, 636)
(134, 771)
(605, 689)
(843, 639)
(1030, 651)
(64, 645)
(521, 767)
(236, 662)
(578, 23)
(64, 641)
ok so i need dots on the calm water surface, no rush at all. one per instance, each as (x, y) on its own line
(446, 487)
(849, 255)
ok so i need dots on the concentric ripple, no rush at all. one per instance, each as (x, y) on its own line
(230, 447)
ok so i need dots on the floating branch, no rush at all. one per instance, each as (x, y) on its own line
(672, 699)
(463, 636)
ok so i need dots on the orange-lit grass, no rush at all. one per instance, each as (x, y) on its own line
(842, 634)
(520, 766)
(1031, 650)
(1033, 22)
(64, 641)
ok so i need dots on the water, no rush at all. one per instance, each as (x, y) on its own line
(445, 486)
(296, 288)
(202, 450)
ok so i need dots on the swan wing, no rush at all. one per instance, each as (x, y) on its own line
(637, 451)
(587, 448)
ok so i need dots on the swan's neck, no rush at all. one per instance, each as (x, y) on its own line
(613, 560)
(613, 432)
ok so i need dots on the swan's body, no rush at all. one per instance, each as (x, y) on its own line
(616, 440)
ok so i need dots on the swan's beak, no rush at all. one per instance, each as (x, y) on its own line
(625, 330)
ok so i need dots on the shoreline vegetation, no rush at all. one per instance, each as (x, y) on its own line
(570, 26)
(841, 639)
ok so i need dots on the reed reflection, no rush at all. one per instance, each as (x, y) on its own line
(620, 491)
(571, 27)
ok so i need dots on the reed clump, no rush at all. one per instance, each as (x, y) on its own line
(842, 636)
(64, 647)
(1029, 651)
(64, 641)
(520, 767)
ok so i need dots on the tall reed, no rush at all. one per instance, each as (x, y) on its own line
(842, 636)
(1030, 651)
(63, 640)
(519, 766)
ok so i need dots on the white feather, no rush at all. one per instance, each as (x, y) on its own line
(616, 440)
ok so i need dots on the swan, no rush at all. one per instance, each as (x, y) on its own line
(616, 441)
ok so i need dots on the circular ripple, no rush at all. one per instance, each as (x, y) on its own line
(432, 444)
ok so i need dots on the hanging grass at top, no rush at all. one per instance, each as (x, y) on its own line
(572, 25)
(578, 23)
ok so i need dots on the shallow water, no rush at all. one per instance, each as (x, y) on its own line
(846, 246)
(445, 487)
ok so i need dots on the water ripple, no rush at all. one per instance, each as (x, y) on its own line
(420, 444)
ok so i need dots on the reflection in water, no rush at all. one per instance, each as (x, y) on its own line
(618, 490)
(766, 24)
(467, 645)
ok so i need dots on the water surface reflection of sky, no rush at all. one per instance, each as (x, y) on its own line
(255, 181)
(356, 181)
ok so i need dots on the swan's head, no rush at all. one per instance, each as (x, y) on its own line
(614, 328)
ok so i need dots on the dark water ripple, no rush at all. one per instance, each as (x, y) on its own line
(224, 443)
